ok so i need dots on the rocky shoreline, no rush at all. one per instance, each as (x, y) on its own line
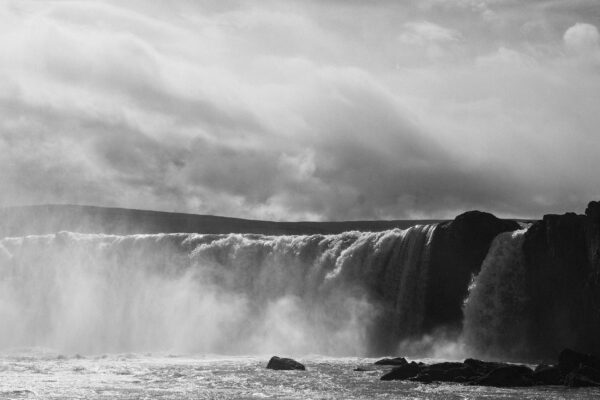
(573, 369)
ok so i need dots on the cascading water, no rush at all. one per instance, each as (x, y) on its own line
(496, 311)
(233, 294)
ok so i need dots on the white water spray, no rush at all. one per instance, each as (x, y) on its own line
(230, 294)
(495, 313)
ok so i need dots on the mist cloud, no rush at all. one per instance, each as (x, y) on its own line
(296, 110)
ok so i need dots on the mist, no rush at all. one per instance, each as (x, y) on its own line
(208, 294)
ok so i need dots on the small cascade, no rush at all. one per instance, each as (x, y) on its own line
(349, 294)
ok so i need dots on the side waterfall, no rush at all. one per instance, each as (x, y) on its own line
(496, 311)
(346, 294)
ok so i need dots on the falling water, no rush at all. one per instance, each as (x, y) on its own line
(228, 294)
(495, 313)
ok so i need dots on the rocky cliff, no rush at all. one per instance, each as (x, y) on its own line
(457, 251)
(562, 257)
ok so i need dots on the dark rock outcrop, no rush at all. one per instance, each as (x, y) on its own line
(458, 248)
(365, 368)
(284, 364)
(583, 376)
(548, 375)
(483, 367)
(404, 372)
(562, 257)
(445, 372)
(579, 369)
(573, 369)
(569, 360)
(398, 361)
(507, 376)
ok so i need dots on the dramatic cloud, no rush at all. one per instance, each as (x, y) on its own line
(302, 109)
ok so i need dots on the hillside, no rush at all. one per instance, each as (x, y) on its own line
(28, 220)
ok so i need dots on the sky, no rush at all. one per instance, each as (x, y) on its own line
(302, 110)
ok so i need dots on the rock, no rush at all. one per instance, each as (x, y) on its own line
(562, 264)
(583, 370)
(593, 211)
(392, 361)
(284, 364)
(445, 372)
(403, 372)
(367, 368)
(458, 248)
(582, 377)
(569, 360)
(459, 374)
(548, 375)
(507, 376)
(483, 367)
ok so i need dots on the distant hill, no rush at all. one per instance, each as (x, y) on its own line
(42, 219)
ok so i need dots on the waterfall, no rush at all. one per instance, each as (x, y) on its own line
(343, 294)
(496, 310)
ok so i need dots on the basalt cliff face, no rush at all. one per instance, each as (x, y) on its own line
(562, 263)
(458, 248)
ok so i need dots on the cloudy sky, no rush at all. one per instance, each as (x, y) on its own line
(302, 109)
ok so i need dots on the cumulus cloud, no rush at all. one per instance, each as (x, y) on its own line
(298, 110)
(582, 38)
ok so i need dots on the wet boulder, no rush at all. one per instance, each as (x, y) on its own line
(569, 360)
(507, 376)
(548, 375)
(403, 372)
(279, 363)
(397, 361)
(367, 368)
(445, 372)
(583, 376)
(483, 367)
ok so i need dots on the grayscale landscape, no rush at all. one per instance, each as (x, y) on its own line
(300, 199)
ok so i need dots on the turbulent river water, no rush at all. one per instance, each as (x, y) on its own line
(43, 375)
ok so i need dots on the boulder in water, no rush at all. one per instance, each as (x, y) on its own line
(507, 376)
(548, 375)
(279, 363)
(397, 361)
(406, 371)
(583, 376)
(444, 372)
(569, 360)
(574, 370)
(364, 368)
(483, 367)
